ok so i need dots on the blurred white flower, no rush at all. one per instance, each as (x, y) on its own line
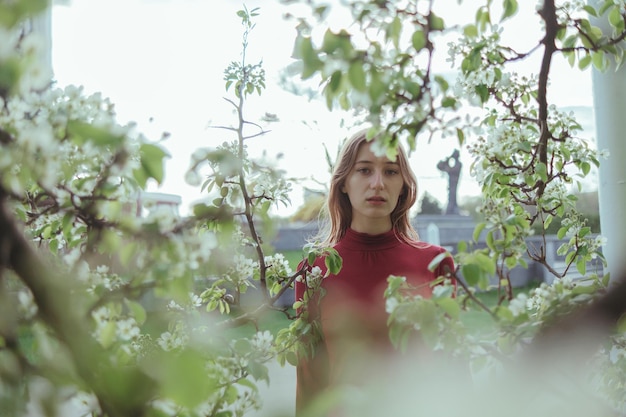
(314, 277)
(277, 265)
(519, 304)
(27, 304)
(127, 329)
(169, 341)
(262, 342)
(167, 407)
(391, 303)
(84, 403)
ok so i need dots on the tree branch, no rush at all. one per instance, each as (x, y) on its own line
(52, 294)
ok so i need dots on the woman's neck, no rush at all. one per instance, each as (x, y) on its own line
(371, 226)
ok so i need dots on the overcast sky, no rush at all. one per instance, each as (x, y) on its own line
(162, 61)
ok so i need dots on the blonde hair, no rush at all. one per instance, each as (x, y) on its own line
(337, 214)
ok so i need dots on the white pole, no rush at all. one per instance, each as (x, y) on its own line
(609, 102)
(432, 234)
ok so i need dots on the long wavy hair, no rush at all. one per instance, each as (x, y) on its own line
(336, 217)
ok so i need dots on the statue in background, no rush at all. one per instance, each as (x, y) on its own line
(452, 166)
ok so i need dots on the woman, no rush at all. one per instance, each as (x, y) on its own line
(369, 226)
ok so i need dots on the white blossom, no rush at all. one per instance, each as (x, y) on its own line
(262, 342)
(244, 266)
(277, 265)
(168, 341)
(166, 406)
(518, 304)
(127, 329)
(391, 303)
(27, 304)
(314, 277)
(86, 403)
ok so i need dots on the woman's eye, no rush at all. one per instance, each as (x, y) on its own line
(392, 172)
(363, 170)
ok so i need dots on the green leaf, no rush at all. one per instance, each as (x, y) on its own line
(110, 241)
(470, 31)
(305, 51)
(490, 241)
(14, 12)
(128, 252)
(442, 82)
(376, 86)
(483, 18)
(10, 73)
(107, 334)
(504, 312)
(394, 29)
(399, 336)
(485, 263)
(585, 167)
(434, 264)
(394, 283)
(331, 42)
(356, 74)
(82, 132)
(570, 41)
(510, 8)
(136, 310)
(258, 371)
(478, 230)
(450, 306)
(584, 289)
(547, 221)
(242, 346)
(584, 231)
(435, 22)
(418, 40)
(471, 273)
(292, 359)
(597, 58)
(333, 262)
(581, 266)
(460, 136)
(151, 159)
(448, 102)
(615, 17)
(344, 102)
(54, 246)
(183, 378)
(584, 62)
(541, 170)
(483, 92)
(590, 10)
(335, 81)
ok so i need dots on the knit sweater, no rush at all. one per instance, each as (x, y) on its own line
(352, 311)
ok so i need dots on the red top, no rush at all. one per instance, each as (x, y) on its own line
(353, 309)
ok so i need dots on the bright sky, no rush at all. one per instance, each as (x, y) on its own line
(162, 61)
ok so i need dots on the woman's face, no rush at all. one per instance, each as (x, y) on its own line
(373, 186)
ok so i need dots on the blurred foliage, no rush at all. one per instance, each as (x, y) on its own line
(430, 205)
(117, 315)
(310, 210)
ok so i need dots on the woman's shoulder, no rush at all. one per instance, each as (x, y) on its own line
(426, 247)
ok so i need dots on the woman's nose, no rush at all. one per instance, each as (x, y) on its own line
(377, 181)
